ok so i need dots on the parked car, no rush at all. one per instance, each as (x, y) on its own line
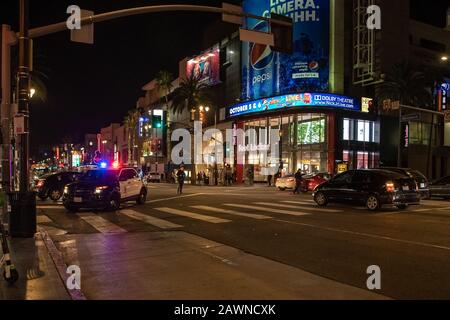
(373, 188)
(286, 182)
(421, 180)
(105, 189)
(153, 177)
(440, 188)
(311, 181)
(52, 185)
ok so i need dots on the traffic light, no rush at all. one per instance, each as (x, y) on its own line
(282, 29)
(156, 122)
(159, 145)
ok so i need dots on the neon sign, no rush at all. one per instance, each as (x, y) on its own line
(324, 100)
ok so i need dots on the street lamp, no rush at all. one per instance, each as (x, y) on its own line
(32, 92)
(444, 58)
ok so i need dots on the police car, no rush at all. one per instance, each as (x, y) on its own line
(105, 188)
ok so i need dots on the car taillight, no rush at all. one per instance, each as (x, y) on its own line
(390, 187)
(40, 183)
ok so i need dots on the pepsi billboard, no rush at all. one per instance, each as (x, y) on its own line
(325, 100)
(267, 73)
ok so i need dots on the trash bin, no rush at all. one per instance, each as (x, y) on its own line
(22, 220)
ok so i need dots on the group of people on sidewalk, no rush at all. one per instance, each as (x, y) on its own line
(201, 176)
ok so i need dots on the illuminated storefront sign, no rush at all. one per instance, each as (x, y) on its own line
(295, 100)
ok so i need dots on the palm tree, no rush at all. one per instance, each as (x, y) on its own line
(131, 122)
(164, 82)
(407, 84)
(190, 95)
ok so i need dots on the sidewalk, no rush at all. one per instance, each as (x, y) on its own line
(38, 276)
(182, 266)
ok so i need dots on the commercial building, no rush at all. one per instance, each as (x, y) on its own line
(324, 98)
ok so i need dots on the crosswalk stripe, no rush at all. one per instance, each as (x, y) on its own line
(193, 215)
(54, 206)
(232, 212)
(298, 202)
(43, 219)
(297, 207)
(160, 223)
(101, 224)
(242, 206)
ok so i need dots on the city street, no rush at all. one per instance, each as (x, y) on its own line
(252, 243)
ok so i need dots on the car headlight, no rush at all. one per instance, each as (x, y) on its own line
(99, 190)
(66, 190)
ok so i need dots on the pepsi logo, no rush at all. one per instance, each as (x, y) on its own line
(261, 56)
(313, 66)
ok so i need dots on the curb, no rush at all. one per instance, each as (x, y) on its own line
(60, 265)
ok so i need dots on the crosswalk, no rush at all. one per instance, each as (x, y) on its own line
(168, 218)
(171, 217)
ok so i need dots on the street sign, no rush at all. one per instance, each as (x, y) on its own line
(447, 116)
(263, 38)
(411, 117)
(86, 33)
(236, 19)
(19, 124)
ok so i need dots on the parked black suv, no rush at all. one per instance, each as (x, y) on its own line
(52, 185)
(421, 180)
(104, 189)
(373, 188)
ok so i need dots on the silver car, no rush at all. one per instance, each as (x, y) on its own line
(440, 188)
(286, 182)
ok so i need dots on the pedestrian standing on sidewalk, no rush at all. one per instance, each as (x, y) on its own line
(181, 176)
(298, 181)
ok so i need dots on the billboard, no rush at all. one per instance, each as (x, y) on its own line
(205, 67)
(266, 73)
(295, 100)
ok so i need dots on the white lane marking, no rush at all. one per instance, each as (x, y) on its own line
(444, 209)
(368, 235)
(173, 198)
(43, 219)
(421, 210)
(192, 215)
(434, 202)
(100, 224)
(291, 213)
(234, 213)
(160, 223)
(298, 207)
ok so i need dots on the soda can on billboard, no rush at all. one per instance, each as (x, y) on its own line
(261, 63)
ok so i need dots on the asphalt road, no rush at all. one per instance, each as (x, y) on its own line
(338, 242)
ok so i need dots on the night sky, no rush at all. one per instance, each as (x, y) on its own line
(91, 86)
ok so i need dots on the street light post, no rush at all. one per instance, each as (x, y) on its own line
(24, 91)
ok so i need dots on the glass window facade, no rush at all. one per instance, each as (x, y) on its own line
(360, 130)
(303, 142)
